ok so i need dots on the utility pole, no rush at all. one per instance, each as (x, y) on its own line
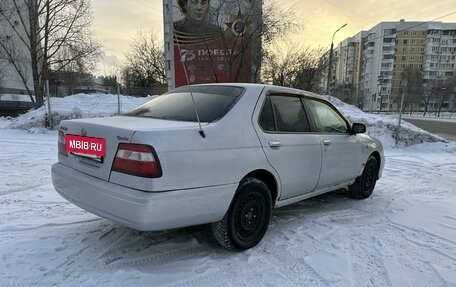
(48, 100)
(379, 89)
(118, 99)
(328, 80)
(403, 85)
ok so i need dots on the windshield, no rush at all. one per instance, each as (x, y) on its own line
(212, 102)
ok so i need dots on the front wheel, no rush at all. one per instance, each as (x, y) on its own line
(247, 219)
(364, 185)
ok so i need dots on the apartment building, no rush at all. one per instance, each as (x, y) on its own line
(375, 63)
(10, 80)
(347, 71)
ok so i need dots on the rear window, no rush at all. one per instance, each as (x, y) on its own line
(212, 102)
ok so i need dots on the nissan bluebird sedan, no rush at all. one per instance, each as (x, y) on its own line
(224, 154)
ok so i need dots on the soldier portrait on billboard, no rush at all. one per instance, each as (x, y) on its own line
(213, 40)
(195, 25)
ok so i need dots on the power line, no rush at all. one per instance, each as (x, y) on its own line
(345, 8)
(154, 9)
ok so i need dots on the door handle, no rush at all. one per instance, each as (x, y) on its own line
(326, 142)
(274, 143)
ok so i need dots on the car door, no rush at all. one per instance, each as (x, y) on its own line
(290, 147)
(342, 152)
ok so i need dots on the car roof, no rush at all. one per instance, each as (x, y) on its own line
(273, 88)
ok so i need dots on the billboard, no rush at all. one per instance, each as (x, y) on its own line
(213, 40)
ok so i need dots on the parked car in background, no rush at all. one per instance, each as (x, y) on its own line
(225, 154)
(15, 104)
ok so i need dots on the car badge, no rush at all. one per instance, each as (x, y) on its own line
(84, 132)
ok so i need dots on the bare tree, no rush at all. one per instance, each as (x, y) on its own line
(344, 92)
(146, 59)
(280, 65)
(413, 88)
(294, 66)
(2, 74)
(446, 89)
(55, 34)
(438, 91)
(145, 64)
(310, 69)
(428, 94)
(253, 29)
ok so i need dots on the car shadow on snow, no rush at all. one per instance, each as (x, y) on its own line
(117, 246)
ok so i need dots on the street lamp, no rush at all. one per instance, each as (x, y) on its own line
(328, 81)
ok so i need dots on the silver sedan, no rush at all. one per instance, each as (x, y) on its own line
(225, 154)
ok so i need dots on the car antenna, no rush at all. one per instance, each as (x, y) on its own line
(201, 132)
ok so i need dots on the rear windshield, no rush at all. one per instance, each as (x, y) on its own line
(212, 102)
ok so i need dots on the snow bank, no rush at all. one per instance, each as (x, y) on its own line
(73, 107)
(382, 127)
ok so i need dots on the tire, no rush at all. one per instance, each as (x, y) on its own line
(247, 218)
(364, 185)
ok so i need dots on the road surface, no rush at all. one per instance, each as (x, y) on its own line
(443, 128)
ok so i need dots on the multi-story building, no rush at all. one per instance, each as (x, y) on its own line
(376, 63)
(439, 63)
(11, 32)
(348, 66)
(409, 51)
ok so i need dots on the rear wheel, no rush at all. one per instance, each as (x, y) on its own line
(247, 219)
(365, 184)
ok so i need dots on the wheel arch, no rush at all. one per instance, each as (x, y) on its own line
(269, 179)
(377, 156)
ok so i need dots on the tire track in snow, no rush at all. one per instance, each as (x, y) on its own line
(416, 254)
(47, 226)
(440, 277)
(426, 175)
(393, 267)
(366, 263)
(428, 241)
(149, 242)
(320, 228)
(244, 268)
(23, 188)
(420, 233)
(158, 259)
(84, 259)
(29, 141)
(295, 269)
(205, 280)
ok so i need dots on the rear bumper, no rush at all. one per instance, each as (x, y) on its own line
(142, 210)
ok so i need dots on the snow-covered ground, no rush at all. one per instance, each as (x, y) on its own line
(404, 235)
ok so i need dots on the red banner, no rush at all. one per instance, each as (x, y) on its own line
(214, 40)
(211, 63)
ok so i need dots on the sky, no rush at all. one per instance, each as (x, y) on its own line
(117, 22)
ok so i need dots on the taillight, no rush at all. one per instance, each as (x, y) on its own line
(138, 160)
(61, 144)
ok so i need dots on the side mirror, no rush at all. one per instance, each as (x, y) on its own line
(358, 128)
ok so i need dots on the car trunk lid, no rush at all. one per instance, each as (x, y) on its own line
(114, 130)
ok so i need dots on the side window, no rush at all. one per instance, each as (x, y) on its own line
(267, 116)
(327, 120)
(290, 115)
